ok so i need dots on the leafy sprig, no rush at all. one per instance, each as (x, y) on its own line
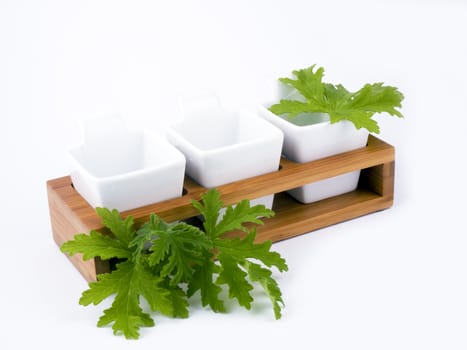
(167, 263)
(335, 100)
(234, 254)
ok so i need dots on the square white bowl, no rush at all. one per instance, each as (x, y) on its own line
(139, 169)
(225, 146)
(305, 143)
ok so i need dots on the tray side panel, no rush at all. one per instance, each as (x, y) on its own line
(379, 179)
(65, 224)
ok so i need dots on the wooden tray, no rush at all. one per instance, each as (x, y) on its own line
(71, 214)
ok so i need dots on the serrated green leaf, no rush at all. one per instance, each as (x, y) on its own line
(156, 242)
(128, 326)
(235, 217)
(161, 246)
(176, 265)
(179, 302)
(233, 253)
(360, 119)
(203, 280)
(257, 273)
(309, 83)
(246, 248)
(122, 229)
(151, 288)
(235, 278)
(175, 249)
(336, 96)
(98, 291)
(96, 244)
(293, 108)
(147, 232)
(378, 98)
(129, 282)
(185, 245)
(209, 207)
(338, 102)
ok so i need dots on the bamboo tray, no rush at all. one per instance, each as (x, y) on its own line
(71, 214)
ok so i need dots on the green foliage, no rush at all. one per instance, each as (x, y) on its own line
(173, 249)
(203, 280)
(246, 248)
(167, 263)
(233, 253)
(257, 273)
(129, 282)
(234, 217)
(122, 229)
(319, 97)
(96, 244)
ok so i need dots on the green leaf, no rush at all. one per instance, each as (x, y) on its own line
(233, 253)
(338, 102)
(257, 273)
(308, 83)
(232, 275)
(147, 233)
(293, 108)
(209, 207)
(203, 281)
(175, 248)
(236, 217)
(122, 229)
(378, 98)
(185, 246)
(127, 323)
(360, 119)
(96, 244)
(242, 249)
(129, 282)
(178, 299)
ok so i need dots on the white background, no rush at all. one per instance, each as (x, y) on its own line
(392, 280)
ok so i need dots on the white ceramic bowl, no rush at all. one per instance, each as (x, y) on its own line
(222, 147)
(305, 143)
(137, 169)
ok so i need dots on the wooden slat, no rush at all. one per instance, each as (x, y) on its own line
(66, 223)
(293, 218)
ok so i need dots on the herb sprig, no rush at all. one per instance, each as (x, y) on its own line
(335, 100)
(168, 263)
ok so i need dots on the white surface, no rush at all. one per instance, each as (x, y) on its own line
(322, 139)
(305, 143)
(123, 169)
(228, 146)
(323, 189)
(391, 280)
(223, 146)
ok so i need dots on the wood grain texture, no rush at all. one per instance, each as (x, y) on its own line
(71, 214)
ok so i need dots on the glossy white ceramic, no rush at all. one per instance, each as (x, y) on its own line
(125, 169)
(222, 146)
